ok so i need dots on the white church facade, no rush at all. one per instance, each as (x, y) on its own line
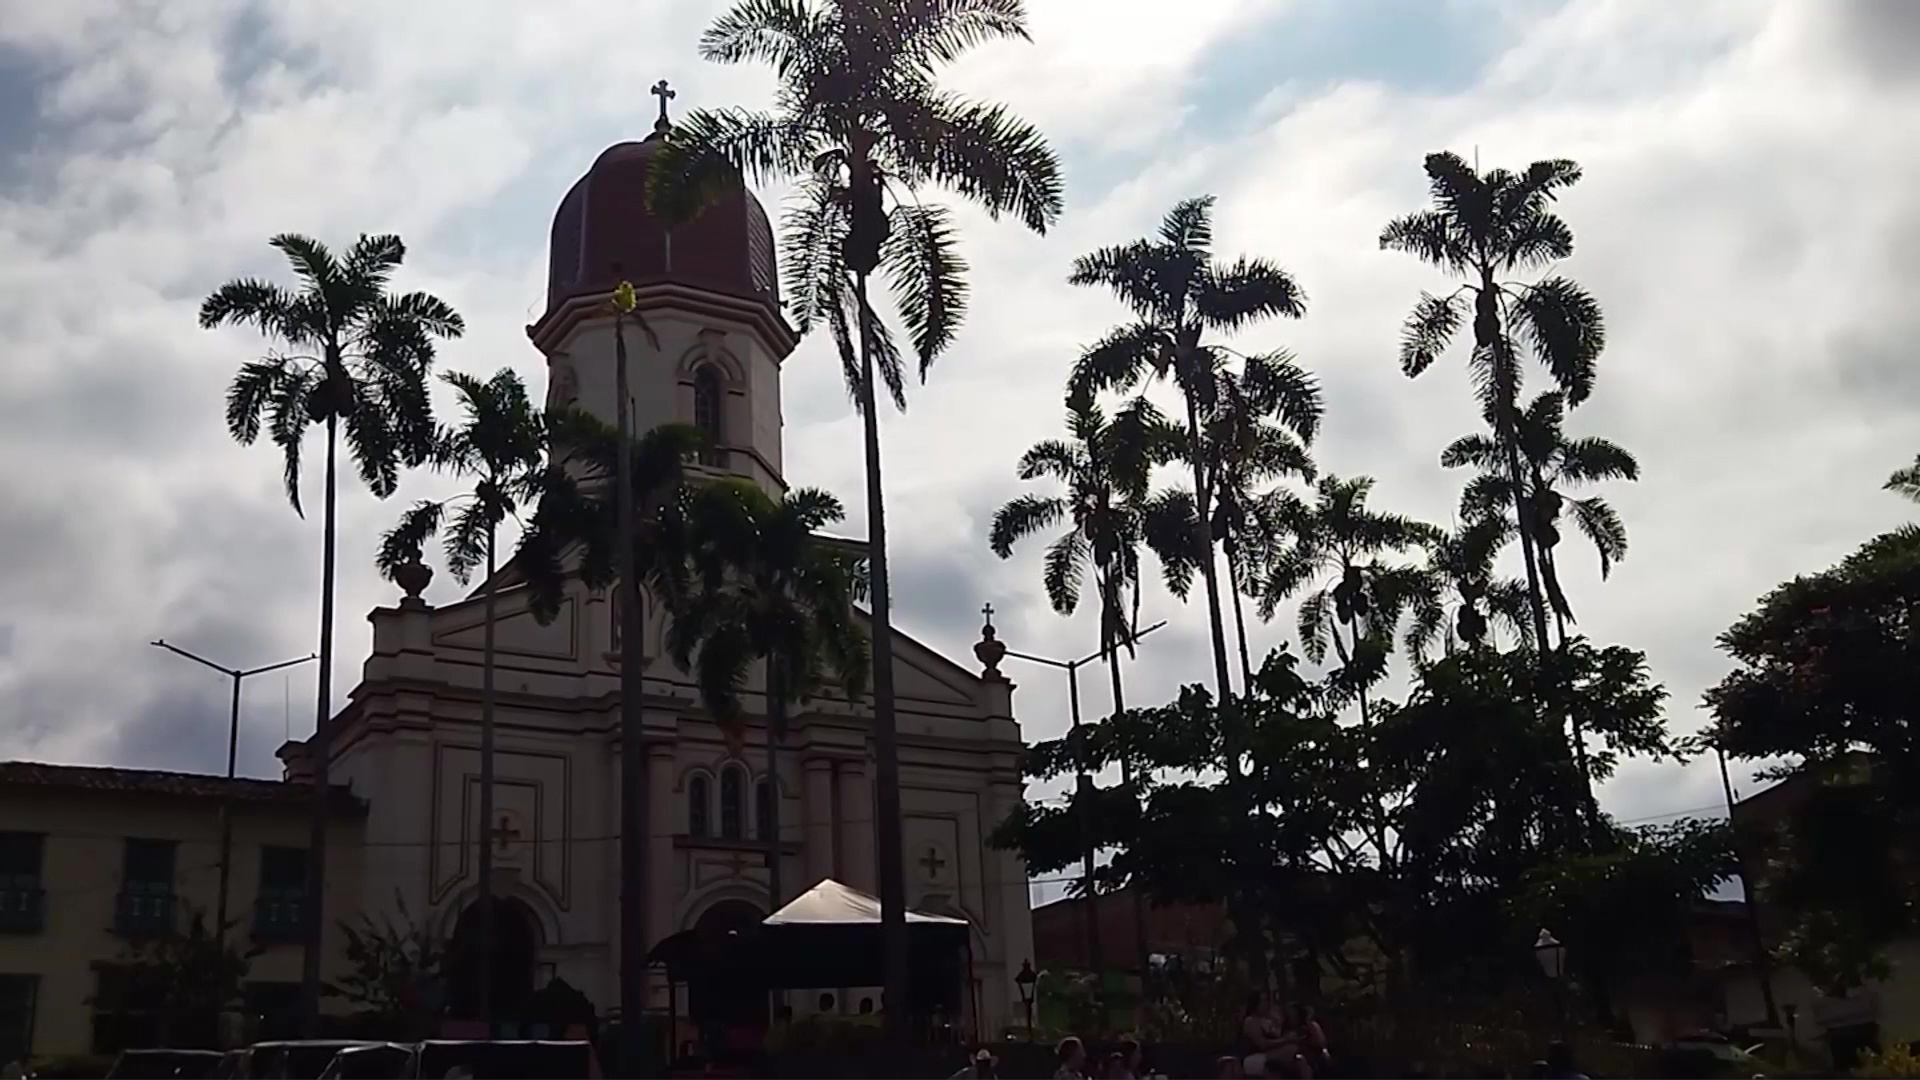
(408, 740)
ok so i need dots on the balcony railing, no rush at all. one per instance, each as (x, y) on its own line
(23, 907)
(143, 911)
(279, 918)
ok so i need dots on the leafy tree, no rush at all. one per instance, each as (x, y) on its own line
(1415, 833)
(395, 968)
(765, 588)
(1482, 228)
(1179, 294)
(1105, 467)
(502, 447)
(863, 128)
(181, 982)
(1823, 681)
(347, 353)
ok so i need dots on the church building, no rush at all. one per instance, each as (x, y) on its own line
(408, 741)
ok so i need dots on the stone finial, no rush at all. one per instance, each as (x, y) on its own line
(989, 650)
(413, 577)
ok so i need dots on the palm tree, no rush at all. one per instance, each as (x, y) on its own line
(502, 447)
(1460, 571)
(1105, 468)
(1263, 419)
(862, 126)
(1335, 552)
(1906, 481)
(1482, 228)
(1178, 293)
(1552, 463)
(346, 353)
(766, 588)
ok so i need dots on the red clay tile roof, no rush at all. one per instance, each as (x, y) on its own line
(34, 774)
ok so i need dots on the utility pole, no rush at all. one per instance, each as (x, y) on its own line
(238, 675)
(1083, 788)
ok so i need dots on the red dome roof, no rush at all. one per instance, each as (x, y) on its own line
(603, 232)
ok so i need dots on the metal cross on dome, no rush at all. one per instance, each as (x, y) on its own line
(665, 93)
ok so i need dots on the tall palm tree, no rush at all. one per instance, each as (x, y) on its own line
(1178, 293)
(501, 445)
(1264, 417)
(765, 588)
(348, 354)
(1483, 228)
(1105, 467)
(862, 126)
(1552, 463)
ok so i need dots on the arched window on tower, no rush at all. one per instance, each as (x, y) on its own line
(733, 804)
(699, 803)
(706, 413)
(763, 797)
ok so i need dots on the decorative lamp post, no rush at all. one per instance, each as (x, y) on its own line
(1552, 955)
(1024, 983)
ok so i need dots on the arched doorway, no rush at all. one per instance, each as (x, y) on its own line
(722, 1002)
(508, 968)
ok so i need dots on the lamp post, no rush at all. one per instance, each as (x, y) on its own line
(1024, 983)
(1553, 962)
(1083, 788)
(233, 748)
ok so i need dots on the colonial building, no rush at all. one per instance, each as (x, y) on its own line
(96, 864)
(408, 741)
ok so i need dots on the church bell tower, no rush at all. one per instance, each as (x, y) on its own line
(708, 290)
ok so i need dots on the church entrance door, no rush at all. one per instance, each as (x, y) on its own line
(720, 1003)
(509, 970)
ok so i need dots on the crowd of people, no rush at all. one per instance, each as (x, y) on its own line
(1274, 1041)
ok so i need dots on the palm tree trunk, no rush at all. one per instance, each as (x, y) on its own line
(317, 754)
(1141, 950)
(776, 731)
(1203, 547)
(886, 752)
(1239, 620)
(483, 993)
(633, 763)
(1587, 801)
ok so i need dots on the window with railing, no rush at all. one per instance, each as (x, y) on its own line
(279, 907)
(146, 901)
(22, 897)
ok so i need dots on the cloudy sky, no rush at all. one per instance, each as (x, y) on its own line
(1749, 220)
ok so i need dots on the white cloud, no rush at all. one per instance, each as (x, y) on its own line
(1746, 222)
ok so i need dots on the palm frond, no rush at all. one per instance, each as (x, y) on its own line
(1064, 569)
(406, 542)
(1905, 481)
(791, 35)
(1601, 525)
(1428, 331)
(1566, 331)
(983, 152)
(1122, 359)
(1247, 290)
(1021, 517)
(711, 150)
(921, 258)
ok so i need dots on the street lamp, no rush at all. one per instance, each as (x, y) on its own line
(1024, 983)
(233, 748)
(1553, 962)
(1083, 783)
